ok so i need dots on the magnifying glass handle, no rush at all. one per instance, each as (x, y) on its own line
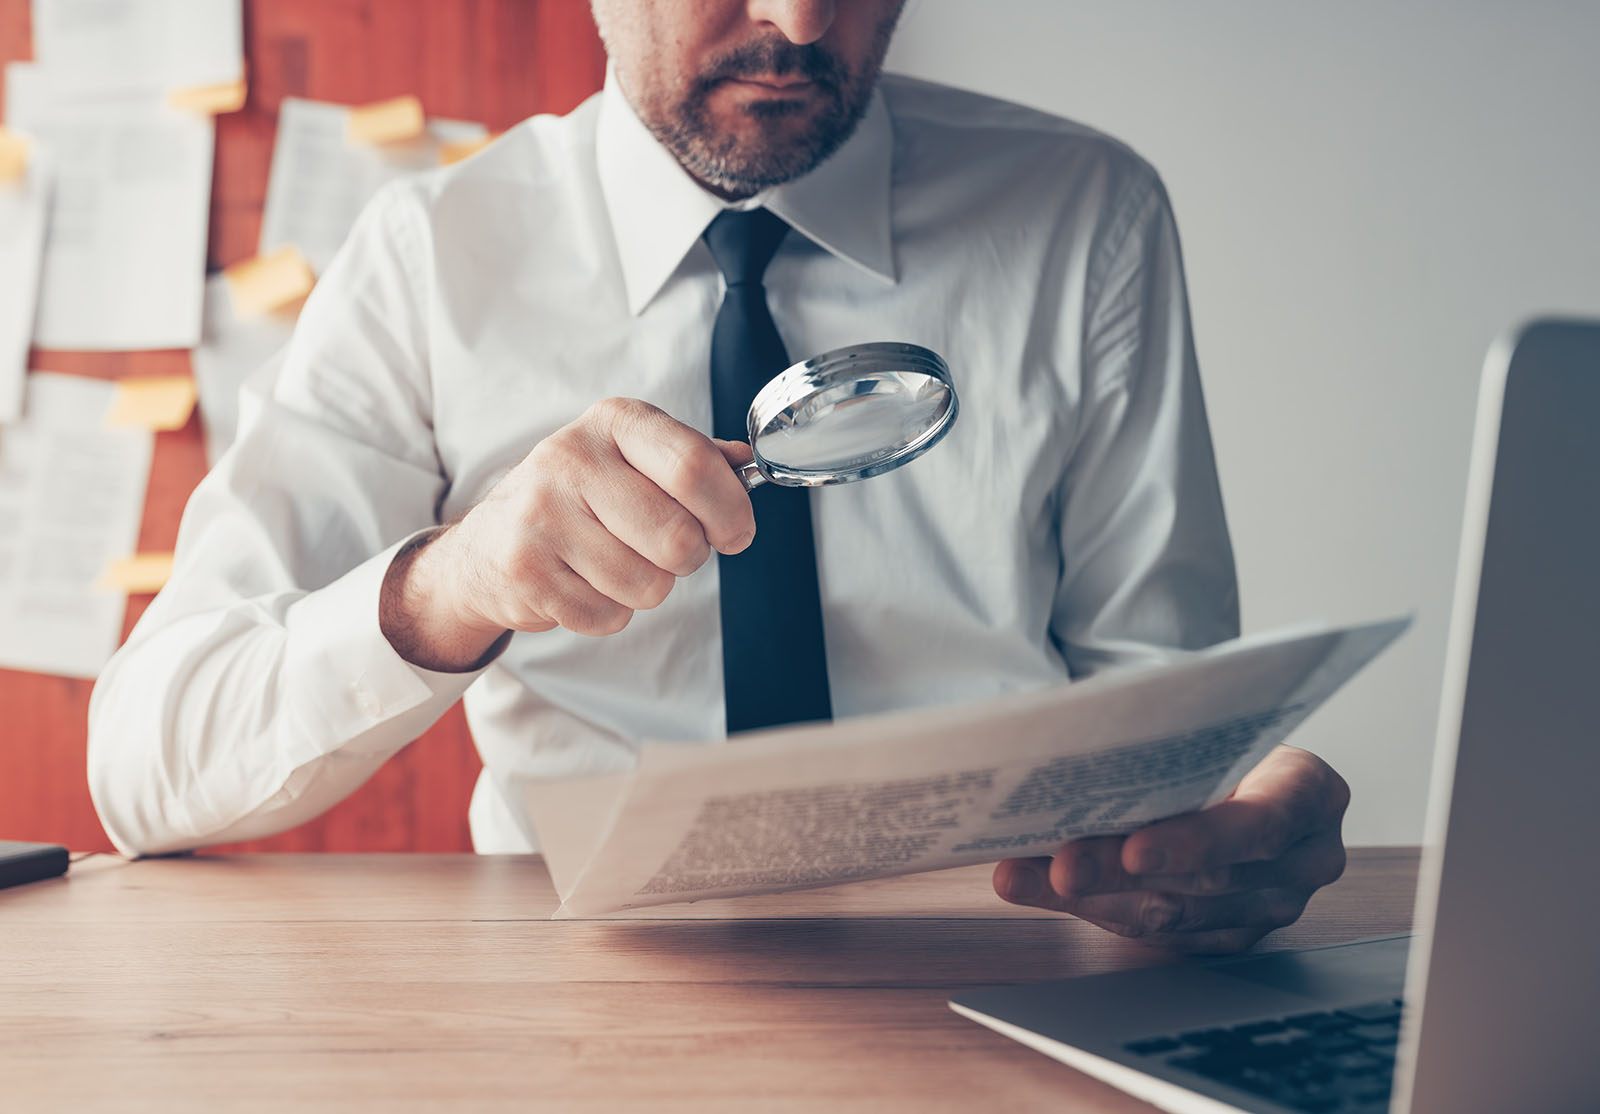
(750, 475)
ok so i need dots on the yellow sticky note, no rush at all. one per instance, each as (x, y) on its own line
(390, 121)
(210, 100)
(451, 153)
(155, 403)
(269, 282)
(14, 149)
(141, 574)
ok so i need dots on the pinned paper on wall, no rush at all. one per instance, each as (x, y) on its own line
(269, 282)
(24, 215)
(124, 264)
(320, 181)
(209, 100)
(159, 403)
(71, 500)
(391, 121)
(92, 47)
(142, 574)
(14, 151)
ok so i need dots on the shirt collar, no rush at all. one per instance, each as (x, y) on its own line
(658, 211)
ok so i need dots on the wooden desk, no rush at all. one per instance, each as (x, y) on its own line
(438, 982)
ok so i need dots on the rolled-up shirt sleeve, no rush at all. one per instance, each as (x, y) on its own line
(258, 690)
(1146, 563)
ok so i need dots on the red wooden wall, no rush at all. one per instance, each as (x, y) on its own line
(493, 61)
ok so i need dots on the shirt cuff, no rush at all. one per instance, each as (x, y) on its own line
(361, 684)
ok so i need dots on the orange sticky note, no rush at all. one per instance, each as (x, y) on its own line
(14, 150)
(156, 403)
(269, 282)
(390, 121)
(451, 153)
(209, 100)
(141, 574)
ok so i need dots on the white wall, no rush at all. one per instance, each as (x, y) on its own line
(1368, 192)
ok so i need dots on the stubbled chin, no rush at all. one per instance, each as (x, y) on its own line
(765, 120)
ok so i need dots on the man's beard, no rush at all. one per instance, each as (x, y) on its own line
(748, 166)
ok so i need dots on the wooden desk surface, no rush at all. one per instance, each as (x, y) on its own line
(438, 982)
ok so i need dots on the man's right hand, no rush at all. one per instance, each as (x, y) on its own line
(595, 523)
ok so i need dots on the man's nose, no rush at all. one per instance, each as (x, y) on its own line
(799, 21)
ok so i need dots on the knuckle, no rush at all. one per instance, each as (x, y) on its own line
(682, 544)
(1338, 791)
(595, 619)
(1217, 881)
(690, 468)
(1159, 912)
(546, 606)
(558, 454)
(1322, 791)
(1284, 911)
(612, 410)
(654, 589)
(1328, 866)
(1130, 931)
(1272, 839)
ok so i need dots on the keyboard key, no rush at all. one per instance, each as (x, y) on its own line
(1258, 1028)
(1375, 1034)
(1152, 1046)
(1349, 1063)
(1333, 1043)
(1207, 1038)
(1316, 1022)
(1279, 1047)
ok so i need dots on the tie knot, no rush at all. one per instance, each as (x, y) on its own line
(744, 242)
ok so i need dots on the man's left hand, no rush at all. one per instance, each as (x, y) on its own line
(1216, 880)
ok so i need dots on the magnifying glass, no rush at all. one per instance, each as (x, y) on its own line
(849, 414)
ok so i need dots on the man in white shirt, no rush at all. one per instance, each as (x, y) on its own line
(518, 347)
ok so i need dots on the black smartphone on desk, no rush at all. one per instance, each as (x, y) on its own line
(29, 862)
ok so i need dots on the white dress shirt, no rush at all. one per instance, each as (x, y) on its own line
(1070, 521)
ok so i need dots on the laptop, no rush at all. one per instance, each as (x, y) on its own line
(1490, 1007)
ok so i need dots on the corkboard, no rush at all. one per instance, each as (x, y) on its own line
(493, 61)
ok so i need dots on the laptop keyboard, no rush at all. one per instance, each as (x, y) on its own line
(1339, 1060)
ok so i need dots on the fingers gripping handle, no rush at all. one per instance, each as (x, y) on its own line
(750, 475)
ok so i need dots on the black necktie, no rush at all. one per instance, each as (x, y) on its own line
(773, 662)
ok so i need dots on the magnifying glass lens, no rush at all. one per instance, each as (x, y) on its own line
(855, 423)
(849, 414)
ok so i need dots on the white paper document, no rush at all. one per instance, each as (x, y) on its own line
(320, 181)
(231, 350)
(877, 796)
(125, 252)
(71, 500)
(153, 46)
(24, 212)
